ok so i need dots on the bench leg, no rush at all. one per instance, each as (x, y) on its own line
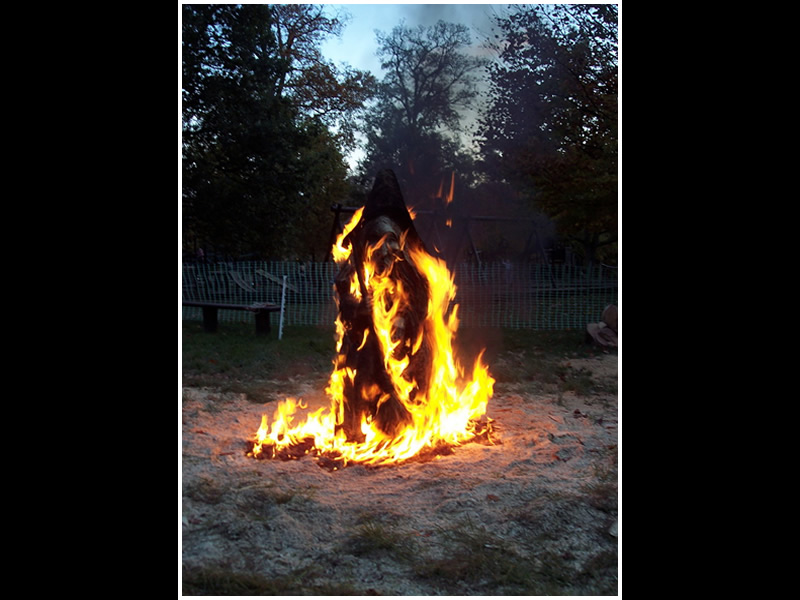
(262, 322)
(210, 319)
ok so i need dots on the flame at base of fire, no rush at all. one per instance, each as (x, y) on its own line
(315, 435)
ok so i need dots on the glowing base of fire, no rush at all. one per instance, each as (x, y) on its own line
(315, 436)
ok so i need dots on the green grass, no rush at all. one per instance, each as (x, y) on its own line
(374, 537)
(210, 581)
(536, 358)
(234, 359)
(479, 562)
(477, 559)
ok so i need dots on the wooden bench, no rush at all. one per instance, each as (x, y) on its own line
(213, 289)
(261, 310)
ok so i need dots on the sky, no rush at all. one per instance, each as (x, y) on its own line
(357, 45)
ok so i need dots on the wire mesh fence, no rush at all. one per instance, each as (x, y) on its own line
(512, 295)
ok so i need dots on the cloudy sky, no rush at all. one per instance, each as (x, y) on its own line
(357, 44)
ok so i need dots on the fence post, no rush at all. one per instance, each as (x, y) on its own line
(283, 307)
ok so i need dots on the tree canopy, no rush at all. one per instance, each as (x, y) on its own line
(267, 120)
(551, 126)
(413, 123)
(336, 96)
(260, 161)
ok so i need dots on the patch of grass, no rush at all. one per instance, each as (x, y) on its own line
(575, 380)
(234, 359)
(536, 358)
(219, 581)
(556, 342)
(255, 498)
(603, 492)
(600, 574)
(373, 537)
(205, 489)
(553, 574)
(479, 561)
(603, 496)
(476, 562)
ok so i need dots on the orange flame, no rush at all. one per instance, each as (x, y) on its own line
(447, 412)
(449, 198)
(340, 253)
(440, 194)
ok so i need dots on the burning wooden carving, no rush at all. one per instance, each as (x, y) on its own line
(396, 387)
(383, 316)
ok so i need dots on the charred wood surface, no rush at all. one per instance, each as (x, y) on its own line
(384, 237)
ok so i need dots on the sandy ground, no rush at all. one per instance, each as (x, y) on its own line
(539, 508)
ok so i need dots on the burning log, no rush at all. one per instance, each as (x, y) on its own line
(396, 388)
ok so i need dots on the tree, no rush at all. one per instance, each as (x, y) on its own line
(551, 127)
(257, 160)
(231, 117)
(319, 89)
(324, 183)
(413, 126)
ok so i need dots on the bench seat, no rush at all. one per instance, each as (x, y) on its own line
(261, 310)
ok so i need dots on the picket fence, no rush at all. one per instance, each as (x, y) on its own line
(510, 295)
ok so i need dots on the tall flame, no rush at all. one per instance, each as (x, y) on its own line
(445, 410)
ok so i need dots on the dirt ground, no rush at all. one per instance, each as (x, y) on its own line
(536, 513)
